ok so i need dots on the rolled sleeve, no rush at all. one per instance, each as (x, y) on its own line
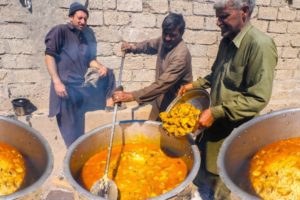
(217, 112)
(149, 47)
(53, 41)
(202, 83)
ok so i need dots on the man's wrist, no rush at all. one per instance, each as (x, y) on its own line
(95, 64)
(133, 47)
(101, 67)
(132, 97)
(56, 81)
(217, 112)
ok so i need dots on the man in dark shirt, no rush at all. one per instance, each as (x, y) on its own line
(68, 55)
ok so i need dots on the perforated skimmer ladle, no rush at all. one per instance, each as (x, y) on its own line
(106, 187)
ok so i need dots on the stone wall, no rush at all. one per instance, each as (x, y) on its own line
(23, 72)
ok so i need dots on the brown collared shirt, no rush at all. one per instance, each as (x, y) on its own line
(173, 69)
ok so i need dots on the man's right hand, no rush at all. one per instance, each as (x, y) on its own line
(185, 88)
(121, 96)
(127, 47)
(60, 89)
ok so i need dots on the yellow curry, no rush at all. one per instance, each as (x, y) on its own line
(275, 170)
(181, 119)
(140, 171)
(12, 169)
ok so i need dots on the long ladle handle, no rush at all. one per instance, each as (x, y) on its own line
(121, 69)
(114, 120)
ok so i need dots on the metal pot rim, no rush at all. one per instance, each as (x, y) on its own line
(49, 167)
(235, 189)
(167, 195)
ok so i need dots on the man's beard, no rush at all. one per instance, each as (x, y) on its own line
(171, 45)
(168, 45)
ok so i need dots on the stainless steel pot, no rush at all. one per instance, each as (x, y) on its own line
(238, 149)
(35, 150)
(128, 132)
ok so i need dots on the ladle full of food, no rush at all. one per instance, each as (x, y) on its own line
(105, 188)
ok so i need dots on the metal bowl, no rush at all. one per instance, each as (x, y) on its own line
(244, 141)
(197, 97)
(127, 132)
(35, 150)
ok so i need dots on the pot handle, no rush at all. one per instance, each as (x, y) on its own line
(135, 109)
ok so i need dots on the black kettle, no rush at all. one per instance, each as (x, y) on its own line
(23, 106)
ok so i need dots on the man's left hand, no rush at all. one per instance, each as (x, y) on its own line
(102, 71)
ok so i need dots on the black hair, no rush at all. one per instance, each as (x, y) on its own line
(173, 20)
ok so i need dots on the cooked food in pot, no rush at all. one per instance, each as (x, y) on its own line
(140, 171)
(181, 119)
(12, 169)
(275, 170)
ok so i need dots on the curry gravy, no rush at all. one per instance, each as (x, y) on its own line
(140, 171)
(12, 169)
(275, 170)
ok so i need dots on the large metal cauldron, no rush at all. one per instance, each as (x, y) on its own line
(35, 150)
(128, 132)
(246, 140)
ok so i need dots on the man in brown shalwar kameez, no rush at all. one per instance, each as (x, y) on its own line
(173, 66)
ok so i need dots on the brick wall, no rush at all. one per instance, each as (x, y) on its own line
(23, 72)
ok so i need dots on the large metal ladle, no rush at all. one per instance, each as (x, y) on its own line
(106, 187)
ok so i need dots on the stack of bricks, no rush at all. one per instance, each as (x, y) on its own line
(23, 72)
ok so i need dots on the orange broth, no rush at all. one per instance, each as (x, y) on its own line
(12, 169)
(140, 171)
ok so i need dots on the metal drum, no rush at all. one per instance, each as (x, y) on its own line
(244, 141)
(130, 132)
(35, 150)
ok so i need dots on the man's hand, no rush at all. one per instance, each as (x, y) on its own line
(127, 47)
(185, 88)
(206, 119)
(121, 96)
(102, 71)
(60, 89)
